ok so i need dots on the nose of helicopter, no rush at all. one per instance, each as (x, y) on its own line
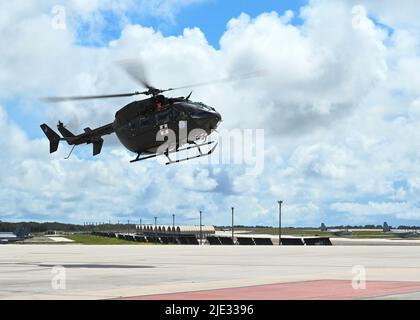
(204, 116)
(215, 119)
(209, 120)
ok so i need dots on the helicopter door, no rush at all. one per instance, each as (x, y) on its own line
(163, 117)
(145, 123)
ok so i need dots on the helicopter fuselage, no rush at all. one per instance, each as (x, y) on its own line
(143, 126)
(153, 126)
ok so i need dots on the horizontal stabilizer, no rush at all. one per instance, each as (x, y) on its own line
(64, 132)
(52, 136)
(97, 146)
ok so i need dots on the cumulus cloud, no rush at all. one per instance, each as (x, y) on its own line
(397, 15)
(363, 212)
(339, 108)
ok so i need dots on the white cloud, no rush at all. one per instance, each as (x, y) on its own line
(340, 111)
(397, 15)
(362, 212)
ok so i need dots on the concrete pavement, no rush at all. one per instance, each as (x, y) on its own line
(108, 272)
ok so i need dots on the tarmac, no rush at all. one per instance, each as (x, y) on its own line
(209, 272)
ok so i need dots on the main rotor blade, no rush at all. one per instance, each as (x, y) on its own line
(137, 71)
(244, 76)
(61, 99)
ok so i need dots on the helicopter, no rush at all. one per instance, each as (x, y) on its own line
(152, 127)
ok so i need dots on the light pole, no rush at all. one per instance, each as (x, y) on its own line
(233, 228)
(173, 223)
(156, 226)
(280, 203)
(201, 230)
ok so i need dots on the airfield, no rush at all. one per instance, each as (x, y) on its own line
(209, 272)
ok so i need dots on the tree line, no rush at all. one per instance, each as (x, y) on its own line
(40, 227)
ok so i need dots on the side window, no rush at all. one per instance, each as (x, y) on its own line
(175, 116)
(163, 116)
(131, 125)
(145, 122)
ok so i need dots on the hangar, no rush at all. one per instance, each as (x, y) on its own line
(6, 237)
(168, 230)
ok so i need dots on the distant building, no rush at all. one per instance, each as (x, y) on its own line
(175, 230)
(6, 237)
(20, 234)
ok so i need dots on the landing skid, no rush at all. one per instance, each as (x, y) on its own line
(170, 161)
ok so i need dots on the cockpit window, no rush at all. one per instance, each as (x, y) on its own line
(203, 106)
(194, 109)
(198, 105)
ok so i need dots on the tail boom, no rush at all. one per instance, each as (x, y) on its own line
(90, 136)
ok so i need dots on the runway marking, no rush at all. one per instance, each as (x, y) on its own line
(95, 266)
(60, 239)
(304, 290)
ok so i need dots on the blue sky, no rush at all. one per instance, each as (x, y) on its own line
(211, 16)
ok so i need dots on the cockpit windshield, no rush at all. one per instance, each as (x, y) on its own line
(200, 106)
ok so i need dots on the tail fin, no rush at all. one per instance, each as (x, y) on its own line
(323, 228)
(386, 227)
(52, 136)
(97, 146)
(22, 231)
(64, 132)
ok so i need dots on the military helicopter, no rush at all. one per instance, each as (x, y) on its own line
(144, 126)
